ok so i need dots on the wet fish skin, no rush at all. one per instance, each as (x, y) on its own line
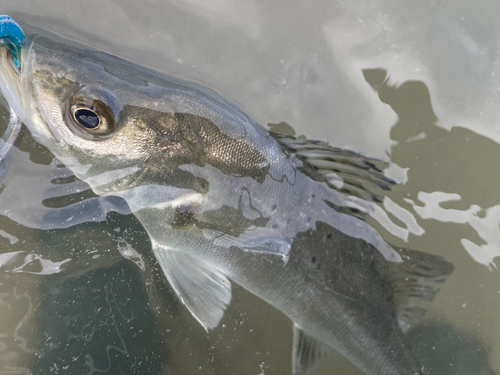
(224, 199)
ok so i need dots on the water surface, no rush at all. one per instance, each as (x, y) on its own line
(412, 82)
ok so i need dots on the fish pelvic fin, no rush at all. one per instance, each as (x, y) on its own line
(348, 172)
(307, 353)
(415, 282)
(203, 290)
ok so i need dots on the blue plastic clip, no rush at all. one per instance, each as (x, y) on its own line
(13, 36)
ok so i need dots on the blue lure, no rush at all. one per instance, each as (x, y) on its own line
(12, 35)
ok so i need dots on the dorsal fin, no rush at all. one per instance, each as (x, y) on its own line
(346, 171)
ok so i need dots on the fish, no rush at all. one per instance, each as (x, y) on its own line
(225, 200)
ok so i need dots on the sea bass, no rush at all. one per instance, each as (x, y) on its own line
(225, 200)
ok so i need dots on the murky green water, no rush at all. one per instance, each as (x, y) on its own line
(416, 83)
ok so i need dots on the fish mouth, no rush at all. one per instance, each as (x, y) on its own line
(10, 77)
(15, 85)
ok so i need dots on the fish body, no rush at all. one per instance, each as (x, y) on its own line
(226, 200)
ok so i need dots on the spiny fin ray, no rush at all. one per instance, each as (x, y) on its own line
(346, 171)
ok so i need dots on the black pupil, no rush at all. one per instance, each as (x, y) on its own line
(87, 118)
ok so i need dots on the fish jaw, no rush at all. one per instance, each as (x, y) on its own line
(15, 87)
(19, 87)
(10, 78)
(12, 40)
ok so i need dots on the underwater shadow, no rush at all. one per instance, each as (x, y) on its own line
(452, 175)
(432, 152)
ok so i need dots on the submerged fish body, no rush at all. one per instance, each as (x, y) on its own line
(225, 200)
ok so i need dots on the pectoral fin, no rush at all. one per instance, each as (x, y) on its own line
(204, 291)
(256, 240)
(308, 353)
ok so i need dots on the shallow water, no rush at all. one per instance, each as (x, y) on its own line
(413, 82)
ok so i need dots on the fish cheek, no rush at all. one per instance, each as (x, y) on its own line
(162, 167)
(50, 85)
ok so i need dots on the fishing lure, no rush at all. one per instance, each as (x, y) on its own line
(12, 35)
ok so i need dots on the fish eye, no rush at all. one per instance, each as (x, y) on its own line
(91, 118)
(87, 118)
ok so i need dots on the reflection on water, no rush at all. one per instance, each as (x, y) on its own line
(454, 173)
(451, 190)
(44, 194)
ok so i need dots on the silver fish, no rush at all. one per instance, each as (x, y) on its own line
(225, 200)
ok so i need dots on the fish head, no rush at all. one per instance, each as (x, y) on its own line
(118, 125)
(69, 103)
